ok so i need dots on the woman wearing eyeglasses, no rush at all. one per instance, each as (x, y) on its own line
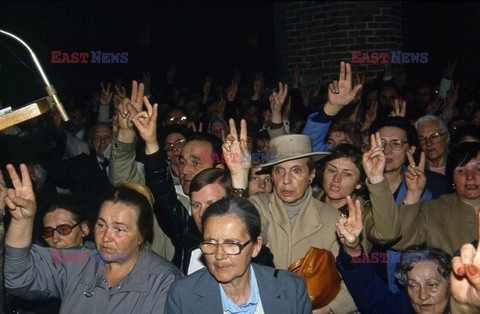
(433, 137)
(231, 283)
(122, 275)
(65, 224)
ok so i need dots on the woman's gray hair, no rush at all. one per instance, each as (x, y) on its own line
(431, 118)
(419, 255)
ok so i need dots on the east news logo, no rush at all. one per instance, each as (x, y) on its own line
(393, 56)
(92, 57)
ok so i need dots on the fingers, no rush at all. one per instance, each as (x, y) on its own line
(14, 176)
(421, 165)
(342, 71)
(333, 87)
(354, 210)
(243, 135)
(233, 129)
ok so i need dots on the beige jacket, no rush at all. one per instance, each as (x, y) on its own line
(314, 226)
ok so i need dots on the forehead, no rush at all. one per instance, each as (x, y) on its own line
(338, 135)
(430, 126)
(102, 129)
(393, 132)
(343, 163)
(195, 148)
(302, 162)
(176, 113)
(118, 213)
(473, 161)
(424, 271)
(225, 227)
(58, 216)
(173, 137)
(210, 192)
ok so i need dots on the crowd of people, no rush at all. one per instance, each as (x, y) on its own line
(165, 199)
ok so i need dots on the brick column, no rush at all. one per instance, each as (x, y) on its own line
(316, 35)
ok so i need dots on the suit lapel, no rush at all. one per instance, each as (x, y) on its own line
(206, 295)
(271, 291)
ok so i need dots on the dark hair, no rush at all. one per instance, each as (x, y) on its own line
(350, 128)
(214, 141)
(465, 130)
(240, 207)
(96, 126)
(397, 122)
(170, 110)
(210, 176)
(260, 135)
(70, 204)
(352, 153)
(139, 198)
(460, 156)
(417, 254)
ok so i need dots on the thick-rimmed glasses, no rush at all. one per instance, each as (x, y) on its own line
(177, 120)
(230, 247)
(395, 145)
(63, 229)
(434, 138)
(178, 144)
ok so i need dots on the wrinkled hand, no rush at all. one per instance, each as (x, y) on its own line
(434, 105)
(258, 84)
(232, 91)
(146, 122)
(235, 149)
(465, 279)
(349, 229)
(374, 160)
(452, 95)
(276, 102)
(415, 178)
(3, 194)
(341, 93)
(360, 80)
(21, 199)
(106, 95)
(399, 108)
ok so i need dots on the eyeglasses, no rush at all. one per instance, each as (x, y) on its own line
(177, 120)
(395, 145)
(63, 229)
(178, 144)
(434, 138)
(230, 247)
(464, 169)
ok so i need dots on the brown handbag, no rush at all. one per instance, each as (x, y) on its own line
(320, 272)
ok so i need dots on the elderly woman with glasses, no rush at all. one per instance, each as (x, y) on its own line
(122, 275)
(65, 224)
(231, 283)
(433, 137)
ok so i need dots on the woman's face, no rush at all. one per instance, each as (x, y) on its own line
(116, 233)
(340, 178)
(467, 179)
(59, 217)
(259, 183)
(229, 269)
(433, 141)
(263, 145)
(427, 289)
(173, 146)
(291, 179)
(394, 159)
(336, 138)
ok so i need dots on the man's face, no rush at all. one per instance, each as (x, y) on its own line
(102, 137)
(191, 162)
(203, 198)
(387, 96)
(217, 127)
(173, 146)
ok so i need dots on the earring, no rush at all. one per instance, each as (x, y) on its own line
(453, 186)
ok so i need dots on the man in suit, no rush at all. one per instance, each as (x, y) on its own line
(86, 176)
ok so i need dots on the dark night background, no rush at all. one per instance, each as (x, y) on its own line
(201, 38)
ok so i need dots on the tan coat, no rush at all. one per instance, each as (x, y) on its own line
(445, 223)
(314, 226)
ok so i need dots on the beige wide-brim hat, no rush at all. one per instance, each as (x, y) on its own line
(289, 147)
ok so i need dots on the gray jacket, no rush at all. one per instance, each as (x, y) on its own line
(77, 277)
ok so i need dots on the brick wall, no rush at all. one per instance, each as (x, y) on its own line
(316, 35)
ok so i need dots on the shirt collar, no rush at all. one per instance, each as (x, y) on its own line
(248, 307)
